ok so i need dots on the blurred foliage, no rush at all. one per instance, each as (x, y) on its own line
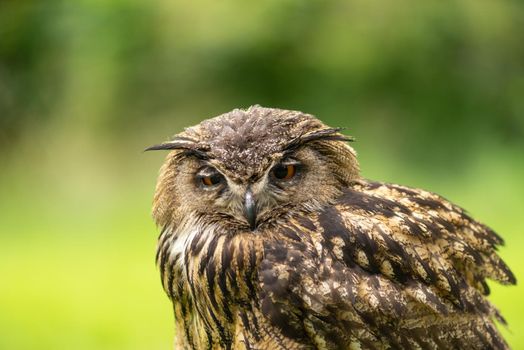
(432, 90)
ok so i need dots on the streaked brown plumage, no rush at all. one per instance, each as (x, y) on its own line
(272, 240)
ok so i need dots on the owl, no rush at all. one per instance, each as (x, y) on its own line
(271, 239)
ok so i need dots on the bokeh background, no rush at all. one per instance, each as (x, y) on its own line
(432, 90)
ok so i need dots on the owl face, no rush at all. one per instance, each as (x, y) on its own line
(248, 169)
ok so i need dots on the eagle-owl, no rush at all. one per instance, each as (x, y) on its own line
(271, 239)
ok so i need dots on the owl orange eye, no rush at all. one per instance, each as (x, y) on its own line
(211, 180)
(285, 171)
(209, 177)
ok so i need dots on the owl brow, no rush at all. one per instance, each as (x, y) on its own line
(188, 146)
(330, 134)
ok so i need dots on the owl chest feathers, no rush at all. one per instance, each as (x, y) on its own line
(208, 274)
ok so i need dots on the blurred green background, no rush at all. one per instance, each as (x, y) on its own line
(432, 90)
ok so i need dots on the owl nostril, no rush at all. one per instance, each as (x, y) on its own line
(250, 209)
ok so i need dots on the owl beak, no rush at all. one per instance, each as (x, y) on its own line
(250, 209)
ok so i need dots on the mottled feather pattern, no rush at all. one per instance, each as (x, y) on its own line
(332, 280)
(379, 273)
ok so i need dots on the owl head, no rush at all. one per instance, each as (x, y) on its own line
(248, 169)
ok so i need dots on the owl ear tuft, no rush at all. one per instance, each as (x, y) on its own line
(188, 145)
(332, 134)
(169, 145)
(328, 134)
(179, 142)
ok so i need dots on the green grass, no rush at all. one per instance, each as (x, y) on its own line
(83, 288)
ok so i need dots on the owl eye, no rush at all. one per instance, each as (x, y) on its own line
(209, 177)
(284, 171)
(211, 180)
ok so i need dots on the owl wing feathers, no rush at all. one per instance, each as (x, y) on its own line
(429, 226)
(385, 265)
